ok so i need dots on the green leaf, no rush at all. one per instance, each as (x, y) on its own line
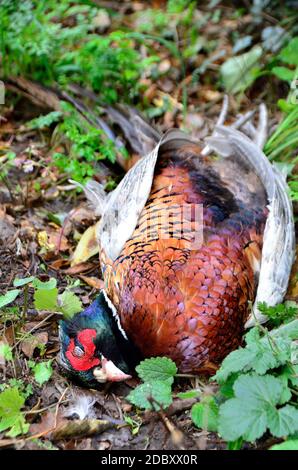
(22, 282)
(46, 299)
(44, 121)
(42, 371)
(283, 421)
(70, 304)
(11, 402)
(9, 297)
(157, 368)
(283, 73)
(6, 351)
(289, 54)
(239, 72)
(261, 353)
(253, 409)
(205, 414)
(189, 394)
(47, 285)
(151, 395)
(290, 444)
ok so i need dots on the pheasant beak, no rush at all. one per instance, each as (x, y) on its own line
(109, 372)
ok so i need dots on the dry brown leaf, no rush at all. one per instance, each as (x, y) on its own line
(93, 282)
(79, 268)
(28, 345)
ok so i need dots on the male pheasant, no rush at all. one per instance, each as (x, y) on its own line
(189, 242)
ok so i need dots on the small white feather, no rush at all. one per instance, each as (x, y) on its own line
(82, 406)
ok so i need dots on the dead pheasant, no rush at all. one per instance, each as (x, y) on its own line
(191, 240)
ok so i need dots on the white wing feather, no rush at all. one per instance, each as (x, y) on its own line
(278, 251)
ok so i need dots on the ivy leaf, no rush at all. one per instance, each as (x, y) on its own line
(205, 414)
(9, 297)
(291, 444)
(253, 409)
(69, 304)
(46, 299)
(11, 402)
(42, 371)
(157, 368)
(151, 395)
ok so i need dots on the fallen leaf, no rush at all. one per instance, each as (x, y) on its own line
(28, 345)
(88, 246)
(80, 268)
(93, 282)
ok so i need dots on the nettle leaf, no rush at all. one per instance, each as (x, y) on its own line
(9, 297)
(152, 396)
(205, 414)
(253, 409)
(11, 402)
(157, 368)
(46, 299)
(290, 444)
(69, 304)
(42, 371)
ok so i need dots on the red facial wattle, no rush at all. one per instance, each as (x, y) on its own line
(87, 361)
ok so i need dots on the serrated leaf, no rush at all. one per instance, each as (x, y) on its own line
(9, 297)
(283, 421)
(251, 411)
(70, 304)
(205, 414)
(189, 394)
(44, 120)
(42, 371)
(290, 444)
(19, 426)
(157, 368)
(239, 72)
(23, 282)
(46, 299)
(159, 391)
(5, 351)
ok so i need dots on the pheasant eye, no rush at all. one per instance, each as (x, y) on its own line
(78, 352)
